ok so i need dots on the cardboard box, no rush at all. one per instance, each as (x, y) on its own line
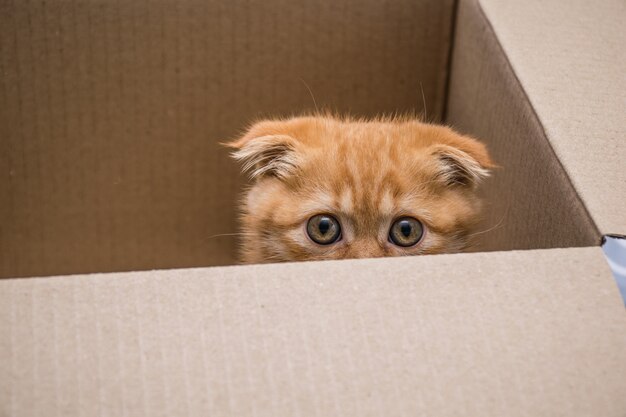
(110, 115)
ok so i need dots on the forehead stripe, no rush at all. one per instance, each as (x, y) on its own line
(346, 204)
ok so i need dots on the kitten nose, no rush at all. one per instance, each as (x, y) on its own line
(365, 249)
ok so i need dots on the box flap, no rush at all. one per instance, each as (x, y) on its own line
(538, 333)
(531, 202)
(570, 60)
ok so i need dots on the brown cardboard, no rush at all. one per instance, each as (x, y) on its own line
(111, 113)
(109, 117)
(570, 60)
(487, 100)
(529, 333)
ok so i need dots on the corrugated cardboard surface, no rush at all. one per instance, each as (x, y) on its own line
(109, 118)
(537, 333)
(110, 113)
(569, 58)
(530, 201)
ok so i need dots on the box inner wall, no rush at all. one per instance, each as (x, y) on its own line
(112, 113)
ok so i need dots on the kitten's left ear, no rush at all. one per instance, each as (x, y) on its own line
(463, 162)
(266, 152)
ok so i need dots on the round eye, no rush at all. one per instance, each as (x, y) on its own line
(406, 231)
(323, 229)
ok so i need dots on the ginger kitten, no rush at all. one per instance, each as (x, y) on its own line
(329, 188)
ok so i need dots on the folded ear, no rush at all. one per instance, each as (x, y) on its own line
(465, 164)
(264, 152)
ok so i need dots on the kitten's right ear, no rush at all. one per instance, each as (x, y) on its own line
(265, 152)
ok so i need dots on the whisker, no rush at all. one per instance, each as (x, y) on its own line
(489, 229)
(424, 102)
(311, 93)
(208, 238)
(223, 234)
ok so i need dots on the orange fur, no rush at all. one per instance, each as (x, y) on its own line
(366, 173)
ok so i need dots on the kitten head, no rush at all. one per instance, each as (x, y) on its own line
(329, 188)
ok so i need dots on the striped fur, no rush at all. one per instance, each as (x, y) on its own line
(366, 173)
